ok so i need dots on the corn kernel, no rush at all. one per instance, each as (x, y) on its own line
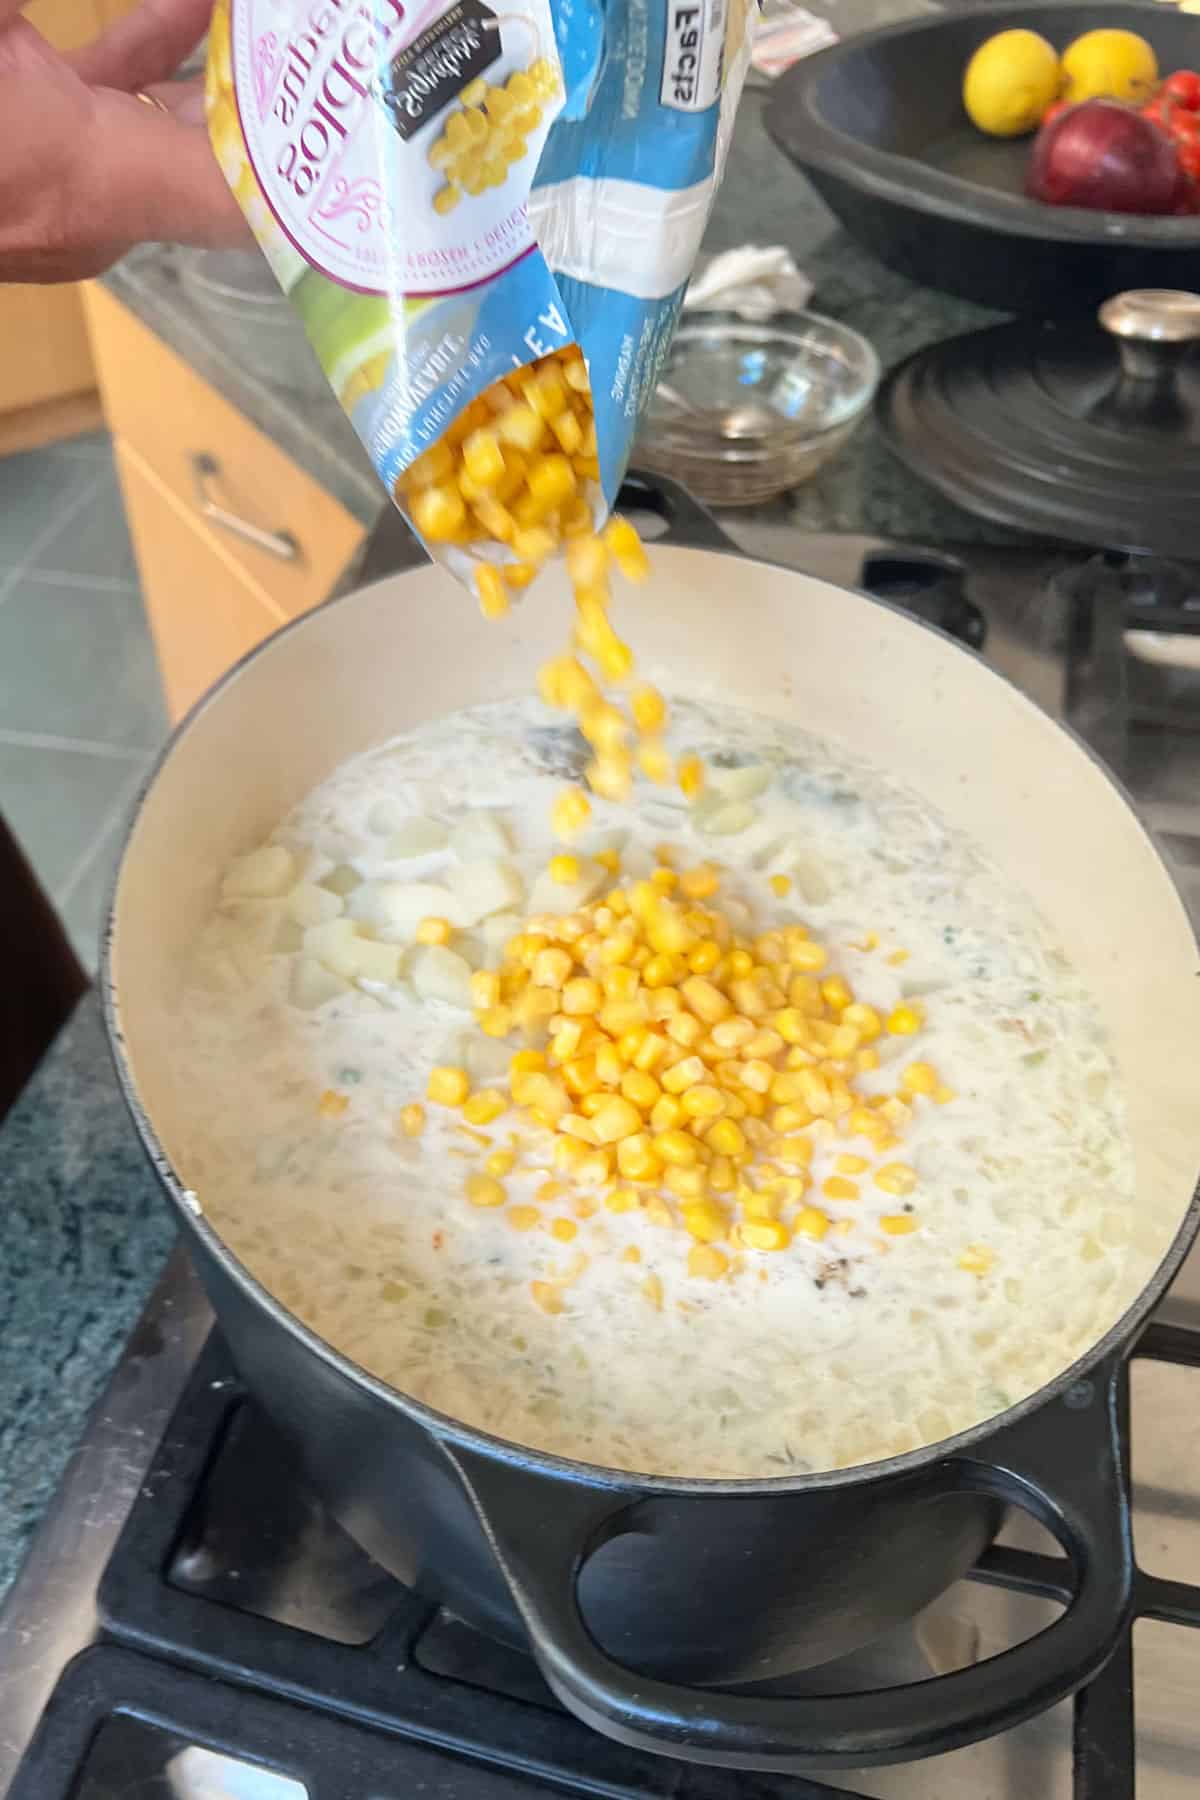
(666, 1113)
(689, 1183)
(564, 1230)
(905, 1020)
(523, 1218)
(898, 1224)
(703, 1101)
(438, 512)
(570, 813)
(837, 1187)
(690, 775)
(484, 1106)
(811, 1222)
(547, 1296)
(500, 1162)
(806, 956)
(637, 1159)
(977, 1259)
(919, 1078)
(683, 1075)
(640, 1088)
(617, 1118)
(793, 1152)
(652, 1288)
(448, 1086)
(521, 427)
(764, 1234)
(485, 989)
(707, 1263)
(485, 1190)
(675, 1146)
(850, 1165)
(648, 708)
(781, 885)
(896, 1178)
(412, 1119)
(704, 958)
(683, 1029)
(496, 1021)
(434, 931)
(490, 586)
(865, 1020)
(726, 1138)
(583, 994)
(722, 1176)
(626, 549)
(705, 1221)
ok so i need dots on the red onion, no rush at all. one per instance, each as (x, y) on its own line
(1107, 156)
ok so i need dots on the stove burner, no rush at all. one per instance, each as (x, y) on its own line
(250, 1649)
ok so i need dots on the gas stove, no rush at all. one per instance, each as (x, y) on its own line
(191, 1624)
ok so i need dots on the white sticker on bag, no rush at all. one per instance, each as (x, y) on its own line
(340, 114)
(693, 54)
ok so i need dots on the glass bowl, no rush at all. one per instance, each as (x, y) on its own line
(744, 412)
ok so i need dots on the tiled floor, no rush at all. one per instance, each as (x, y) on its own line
(81, 710)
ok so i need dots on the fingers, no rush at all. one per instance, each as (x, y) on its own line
(146, 46)
(153, 179)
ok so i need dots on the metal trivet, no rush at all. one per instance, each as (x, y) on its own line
(262, 1633)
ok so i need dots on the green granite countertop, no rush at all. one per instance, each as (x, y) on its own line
(85, 1232)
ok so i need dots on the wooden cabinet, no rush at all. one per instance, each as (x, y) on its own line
(47, 383)
(232, 539)
(203, 612)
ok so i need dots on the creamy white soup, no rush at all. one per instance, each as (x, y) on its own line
(312, 1020)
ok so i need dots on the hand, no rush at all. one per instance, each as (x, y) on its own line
(86, 169)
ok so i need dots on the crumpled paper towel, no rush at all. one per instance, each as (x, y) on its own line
(755, 282)
(785, 33)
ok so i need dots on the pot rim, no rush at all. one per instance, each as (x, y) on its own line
(443, 1426)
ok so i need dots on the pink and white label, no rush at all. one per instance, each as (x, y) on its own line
(352, 193)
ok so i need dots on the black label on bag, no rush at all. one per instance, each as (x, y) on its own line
(437, 66)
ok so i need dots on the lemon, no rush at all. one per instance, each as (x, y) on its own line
(1010, 81)
(1109, 65)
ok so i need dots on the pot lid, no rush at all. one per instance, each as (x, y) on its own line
(1068, 428)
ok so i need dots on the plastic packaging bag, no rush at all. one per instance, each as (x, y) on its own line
(451, 190)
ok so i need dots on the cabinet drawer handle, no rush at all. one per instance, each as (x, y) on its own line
(276, 543)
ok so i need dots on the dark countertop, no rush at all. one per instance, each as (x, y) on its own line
(85, 1232)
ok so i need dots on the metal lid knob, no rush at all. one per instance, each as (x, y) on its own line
(1153, 316)
(1155, 329)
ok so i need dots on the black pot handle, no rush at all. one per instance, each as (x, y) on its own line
(1062, 1464)
(687, 522)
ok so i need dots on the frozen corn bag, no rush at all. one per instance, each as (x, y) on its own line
(453, 192)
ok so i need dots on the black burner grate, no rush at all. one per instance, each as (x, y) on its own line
(240, 1621)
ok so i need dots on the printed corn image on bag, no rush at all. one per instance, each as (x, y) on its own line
(485, 215)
